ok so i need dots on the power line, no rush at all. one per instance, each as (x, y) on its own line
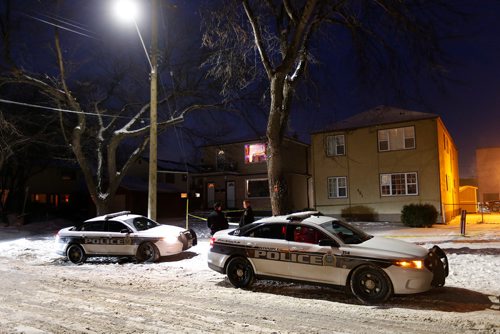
(67, 110)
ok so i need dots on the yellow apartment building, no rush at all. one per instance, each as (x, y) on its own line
(372, 164)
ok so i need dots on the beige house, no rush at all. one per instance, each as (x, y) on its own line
(488, 173)
(370, 165)
(236, 171)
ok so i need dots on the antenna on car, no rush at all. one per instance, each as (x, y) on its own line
(116, 214)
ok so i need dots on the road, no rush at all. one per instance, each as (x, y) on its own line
(45, 294)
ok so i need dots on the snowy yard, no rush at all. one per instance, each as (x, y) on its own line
(43, 293)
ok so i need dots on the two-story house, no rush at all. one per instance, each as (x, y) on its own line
(237, 170)
(372, 164)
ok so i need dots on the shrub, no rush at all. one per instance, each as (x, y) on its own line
(419, 215)
(359, 213)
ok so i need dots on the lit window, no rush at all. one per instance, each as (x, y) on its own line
(396, 139)
(335, 145)
(398, 184)
(255, 153)
(337, 187)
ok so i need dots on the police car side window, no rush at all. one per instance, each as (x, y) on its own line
(308, 235)
(114, 226)
(269, 231)
(93, 226)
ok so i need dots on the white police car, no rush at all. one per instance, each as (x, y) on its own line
(309, 247)
(122, 234)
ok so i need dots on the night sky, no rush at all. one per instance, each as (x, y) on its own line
(469, 106)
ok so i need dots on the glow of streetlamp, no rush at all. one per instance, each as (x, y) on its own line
(125, 10)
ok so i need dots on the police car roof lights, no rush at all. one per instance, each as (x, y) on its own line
(116, 214)
(302, 215)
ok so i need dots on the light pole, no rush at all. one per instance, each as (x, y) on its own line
(153, 133)
(127, 10)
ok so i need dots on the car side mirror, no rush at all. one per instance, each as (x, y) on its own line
(124, 231)
(328, 242)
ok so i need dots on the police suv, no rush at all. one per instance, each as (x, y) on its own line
(122, 234)
(309, 247)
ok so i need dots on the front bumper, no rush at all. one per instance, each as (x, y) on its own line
(437, 262)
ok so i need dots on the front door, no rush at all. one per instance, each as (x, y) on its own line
(210, 194)
(230, 194)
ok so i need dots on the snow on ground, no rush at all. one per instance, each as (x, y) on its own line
(43, 293)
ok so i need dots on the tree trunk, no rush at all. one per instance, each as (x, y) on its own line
(101, 206)
(278, 117)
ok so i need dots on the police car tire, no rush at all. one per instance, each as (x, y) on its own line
(147, 253)
(76, 254)
(240, 272)
(370, 285)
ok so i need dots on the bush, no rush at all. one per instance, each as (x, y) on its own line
(359, 213)
(419, 215)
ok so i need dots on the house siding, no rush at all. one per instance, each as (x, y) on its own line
(364, 163)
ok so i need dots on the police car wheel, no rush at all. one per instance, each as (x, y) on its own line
(76, 254)
(370, 285)
(240, 272)
(147, 252)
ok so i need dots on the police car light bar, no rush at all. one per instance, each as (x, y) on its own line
(302, 215)
(116, 214)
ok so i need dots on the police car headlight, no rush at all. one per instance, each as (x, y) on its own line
(170, 239)
(415, 264)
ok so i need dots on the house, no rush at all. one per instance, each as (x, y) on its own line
(488, 173)
(234, 171)
(60, 189)
(372, 164)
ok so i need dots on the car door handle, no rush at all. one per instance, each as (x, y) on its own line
(296, 249)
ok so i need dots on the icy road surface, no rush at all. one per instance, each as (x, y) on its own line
(42, 293)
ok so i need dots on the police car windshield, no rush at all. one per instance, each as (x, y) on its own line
(345, 232)
(142, 223)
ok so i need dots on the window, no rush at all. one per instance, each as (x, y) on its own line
(307, 235)
(398, 184)
(337, 187)
(255, 153)
(335, 145)
(396, 139)
(95, 226)
(114, 226)
(270, 231)
(257, 188)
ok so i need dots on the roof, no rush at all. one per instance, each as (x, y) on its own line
(378, 116)
(249, 139)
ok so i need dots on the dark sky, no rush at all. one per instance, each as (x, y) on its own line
(470, 106)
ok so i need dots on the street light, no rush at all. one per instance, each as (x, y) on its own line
(127, 10)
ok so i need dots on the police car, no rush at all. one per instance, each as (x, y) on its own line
(312, 248)
(122, 234)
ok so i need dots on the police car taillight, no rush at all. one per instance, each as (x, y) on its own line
(212, 241)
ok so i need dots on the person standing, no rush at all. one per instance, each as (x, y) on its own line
(216, 221)
(247, 217)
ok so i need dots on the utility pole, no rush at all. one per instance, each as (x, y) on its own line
(153, 132)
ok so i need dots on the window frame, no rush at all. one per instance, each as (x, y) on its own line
(332, 148)
(387, 139)
(247, 181)
(392, 186)
(337, 187)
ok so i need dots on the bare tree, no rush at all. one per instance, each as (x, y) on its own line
(101, 113)
(274, 41)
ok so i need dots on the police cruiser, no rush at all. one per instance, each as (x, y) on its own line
(309, 247)
(122, 234)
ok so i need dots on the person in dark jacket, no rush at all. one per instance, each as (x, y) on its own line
(247, 217)
(216, 220)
